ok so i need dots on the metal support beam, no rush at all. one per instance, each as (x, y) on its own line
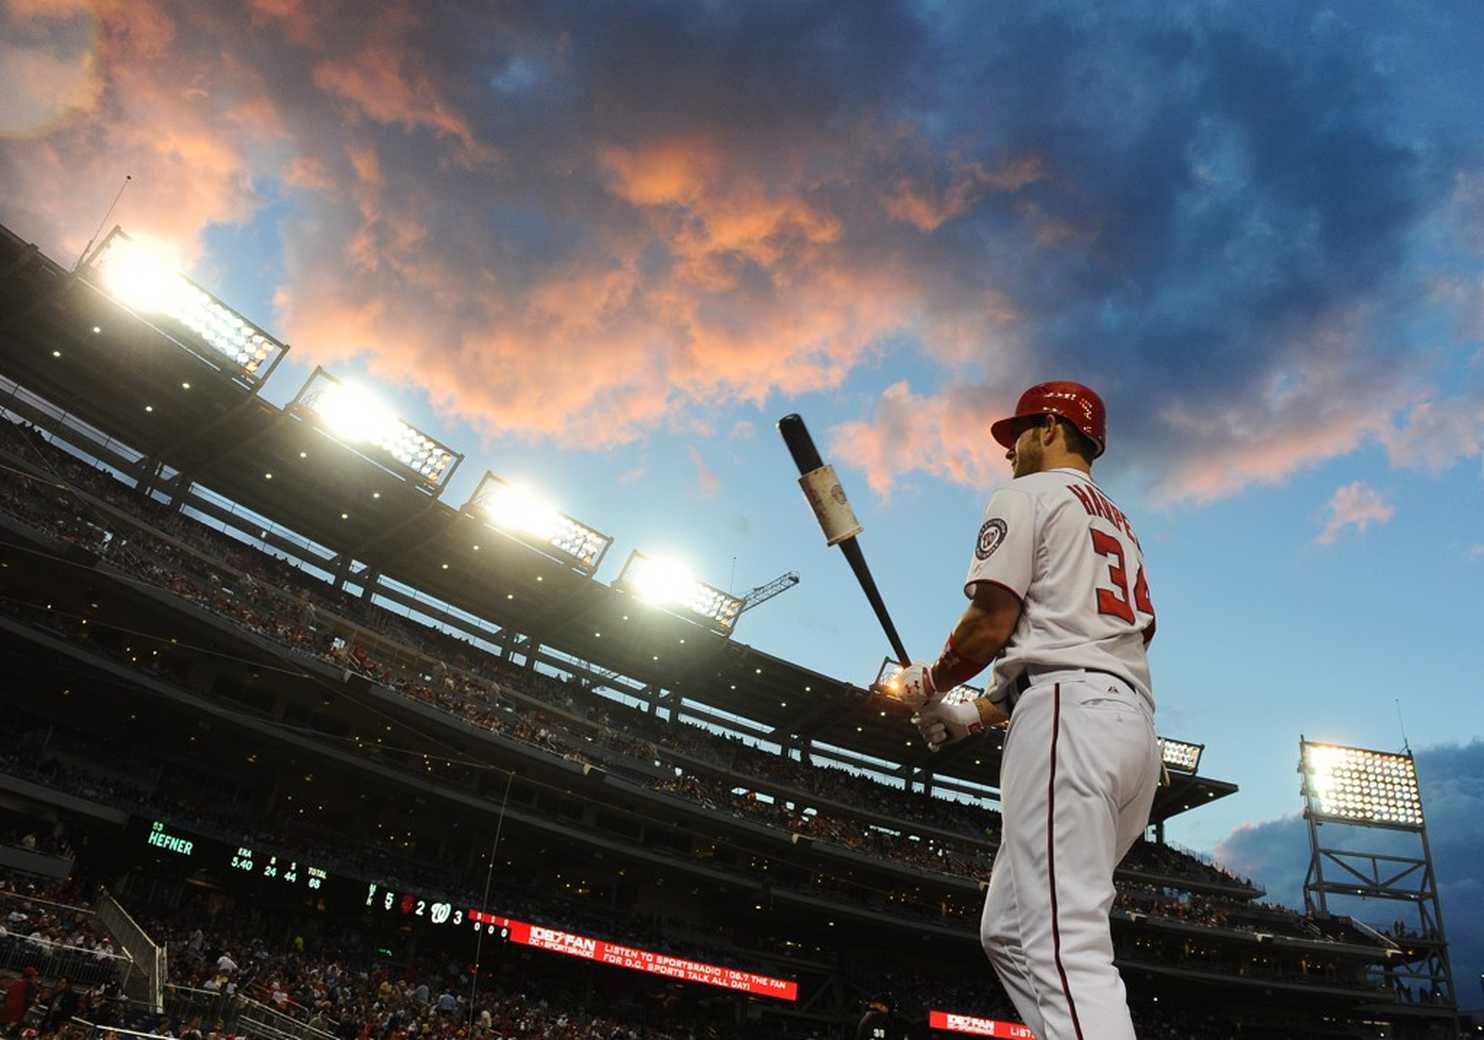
(431, 529)
(204, 440)
(1362, 871)
(191, 464)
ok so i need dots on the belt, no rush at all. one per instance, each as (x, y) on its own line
(1024, 681)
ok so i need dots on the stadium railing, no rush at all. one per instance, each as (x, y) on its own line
(148, 983)
(33, 861)
(236, 1013)
(256, 1019)
(187, 1003)
(54, 960)
(91, 1030)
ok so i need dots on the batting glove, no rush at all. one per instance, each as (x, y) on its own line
(913, 686)
(943, 724)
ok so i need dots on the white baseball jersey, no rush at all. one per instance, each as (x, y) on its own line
(1071, 557)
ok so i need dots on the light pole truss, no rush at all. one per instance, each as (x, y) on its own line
(1373, 797)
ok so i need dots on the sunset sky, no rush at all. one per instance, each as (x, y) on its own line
(602, 248)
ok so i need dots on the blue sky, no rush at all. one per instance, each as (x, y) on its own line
(604, 248)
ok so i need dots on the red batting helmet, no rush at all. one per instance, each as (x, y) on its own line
(1074, 402)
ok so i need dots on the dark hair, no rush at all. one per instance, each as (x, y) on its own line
(1078, 443)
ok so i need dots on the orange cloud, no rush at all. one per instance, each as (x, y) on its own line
(52, 10)
(669, 173)
(308, 172)
(188, 169)
(383, 82)
(945, 436)
(707, 482)
(50, 79)
(295, 17)
(928, 206)
(756, 298)
(1240, 446)
(644, 254)
(1300, 418)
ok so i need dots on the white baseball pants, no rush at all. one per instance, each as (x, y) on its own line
(1077, 779)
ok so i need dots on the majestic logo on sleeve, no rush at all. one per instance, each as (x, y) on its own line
(990, 537)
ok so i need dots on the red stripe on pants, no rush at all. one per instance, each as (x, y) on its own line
(1066, 989)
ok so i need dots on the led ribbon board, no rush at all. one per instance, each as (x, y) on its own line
(148, 285)
(1353, 785)
(519, 511)
(630, 957)
(972, 1025)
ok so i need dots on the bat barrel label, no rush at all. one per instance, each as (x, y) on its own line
(827, 499)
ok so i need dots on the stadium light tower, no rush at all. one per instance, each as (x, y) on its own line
(146, 282)
(353, 416)
(1180, 755)
(520, 512)
(669, 584)
(1375, 795)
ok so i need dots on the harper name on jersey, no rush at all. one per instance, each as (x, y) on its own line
(1057, 542)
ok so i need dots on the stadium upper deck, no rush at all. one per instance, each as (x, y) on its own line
(161, 406)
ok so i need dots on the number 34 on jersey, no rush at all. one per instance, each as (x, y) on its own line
(1116, 597)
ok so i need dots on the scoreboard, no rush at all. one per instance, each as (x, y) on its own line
(417, 909)
(204, 853)
(273, 866)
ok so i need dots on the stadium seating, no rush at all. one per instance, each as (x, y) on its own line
(338, 985)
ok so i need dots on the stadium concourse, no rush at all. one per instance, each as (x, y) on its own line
(315, 755)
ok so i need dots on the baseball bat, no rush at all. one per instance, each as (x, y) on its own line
(836, 519)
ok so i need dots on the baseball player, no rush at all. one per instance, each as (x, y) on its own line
(1060, 603)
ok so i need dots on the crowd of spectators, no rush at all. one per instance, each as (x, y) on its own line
(58, 958)
(49, 913)
(249, 587)
(347, 993)
(273, 598)
(339, 981)
(237, 582)
(1215, 911)
(45, 840)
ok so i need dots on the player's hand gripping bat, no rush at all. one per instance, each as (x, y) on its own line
(827, 499)
(837, 519)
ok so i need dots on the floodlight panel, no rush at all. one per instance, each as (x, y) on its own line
(669, 583)
(710, 602)
(1180, 754)
(579, 541)
(354, 415)
(660, 581)
(1354, 785)
(518, 509)
(147, 282)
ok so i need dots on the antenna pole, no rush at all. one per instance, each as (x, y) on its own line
(83, 255)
